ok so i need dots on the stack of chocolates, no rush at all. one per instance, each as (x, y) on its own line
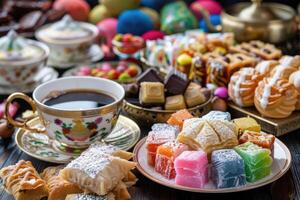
(175, 92)
(27, 16)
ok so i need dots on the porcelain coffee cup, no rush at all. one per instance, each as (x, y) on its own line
(72, 129)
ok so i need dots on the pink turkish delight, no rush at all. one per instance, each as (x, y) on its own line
(191, 169)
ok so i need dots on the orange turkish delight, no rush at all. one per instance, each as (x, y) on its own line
(155, 139)
(179, 117)
(165, 156)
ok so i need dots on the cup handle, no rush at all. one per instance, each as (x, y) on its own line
(24, 124)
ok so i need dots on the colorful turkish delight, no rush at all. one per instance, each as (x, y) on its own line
(155, 139)
(217, 115)
(179, 117)
(257, 160)
(165, 156)
(247, 123)
(261, 139)
(227, 169)
(191, 169)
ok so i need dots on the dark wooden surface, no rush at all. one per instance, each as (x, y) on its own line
(288, 187)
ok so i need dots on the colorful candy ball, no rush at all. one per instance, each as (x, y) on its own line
(115, 7)
(78, 9)
(98, 13)
(108, 29)
(213, 7)
(135, 22)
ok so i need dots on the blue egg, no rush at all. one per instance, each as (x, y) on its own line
(135, 22)
(155, 4)
(215, 20)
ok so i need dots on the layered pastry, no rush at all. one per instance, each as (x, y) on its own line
(23, 181)
(242, 86)
(58, 187)
(275, 98)
(96, 171)
(265, 67)
(208, 135)
(220, 69)
(257, 48)
(292, 61)
(247, 123)
(295, 80)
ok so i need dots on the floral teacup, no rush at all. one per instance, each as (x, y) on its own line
(73, 129)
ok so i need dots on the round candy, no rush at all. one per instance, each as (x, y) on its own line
(121, 68)
(135, 22)
(78, 9)
(184, 59)
(219, 104)
(106, 67)
(153, 35)
(85, 70)
(221, 92)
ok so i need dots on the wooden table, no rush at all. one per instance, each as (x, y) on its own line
(288, 187)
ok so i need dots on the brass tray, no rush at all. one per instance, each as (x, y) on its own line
(276, 127)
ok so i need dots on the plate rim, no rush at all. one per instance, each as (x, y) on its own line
(20, 132)
(286, 167)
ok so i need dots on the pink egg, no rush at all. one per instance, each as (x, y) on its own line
(213, 7)
(121, 68)
(221, 92)
(106, 67)
(85, 71)
(108, 29)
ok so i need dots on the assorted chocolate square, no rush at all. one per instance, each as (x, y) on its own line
(174, 92)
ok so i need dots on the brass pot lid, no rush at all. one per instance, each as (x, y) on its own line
(259, 12)
(14, 48)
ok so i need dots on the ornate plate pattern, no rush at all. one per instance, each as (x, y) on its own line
(281, 164)
(125, 135)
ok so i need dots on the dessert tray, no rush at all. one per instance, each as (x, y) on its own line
(125, 135)
(281, 164)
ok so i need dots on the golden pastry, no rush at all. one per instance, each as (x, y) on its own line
(58, 187)
(266, 66)
(247, 123)
(292, 61)
(242, 86)
(295, 80)
(260, 49)
(208, 135)
(275, 98)
(96, 171)
(282, 71)
(23, 181)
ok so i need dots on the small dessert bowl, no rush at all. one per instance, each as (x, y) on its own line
(69, 41)
(21, 59)
(72, 129)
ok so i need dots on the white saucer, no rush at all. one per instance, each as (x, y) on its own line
(45, 75)
(95, 54)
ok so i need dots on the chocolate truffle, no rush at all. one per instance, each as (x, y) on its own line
(150, 75)
(176, 82)
(175, 102)
(152, 93)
